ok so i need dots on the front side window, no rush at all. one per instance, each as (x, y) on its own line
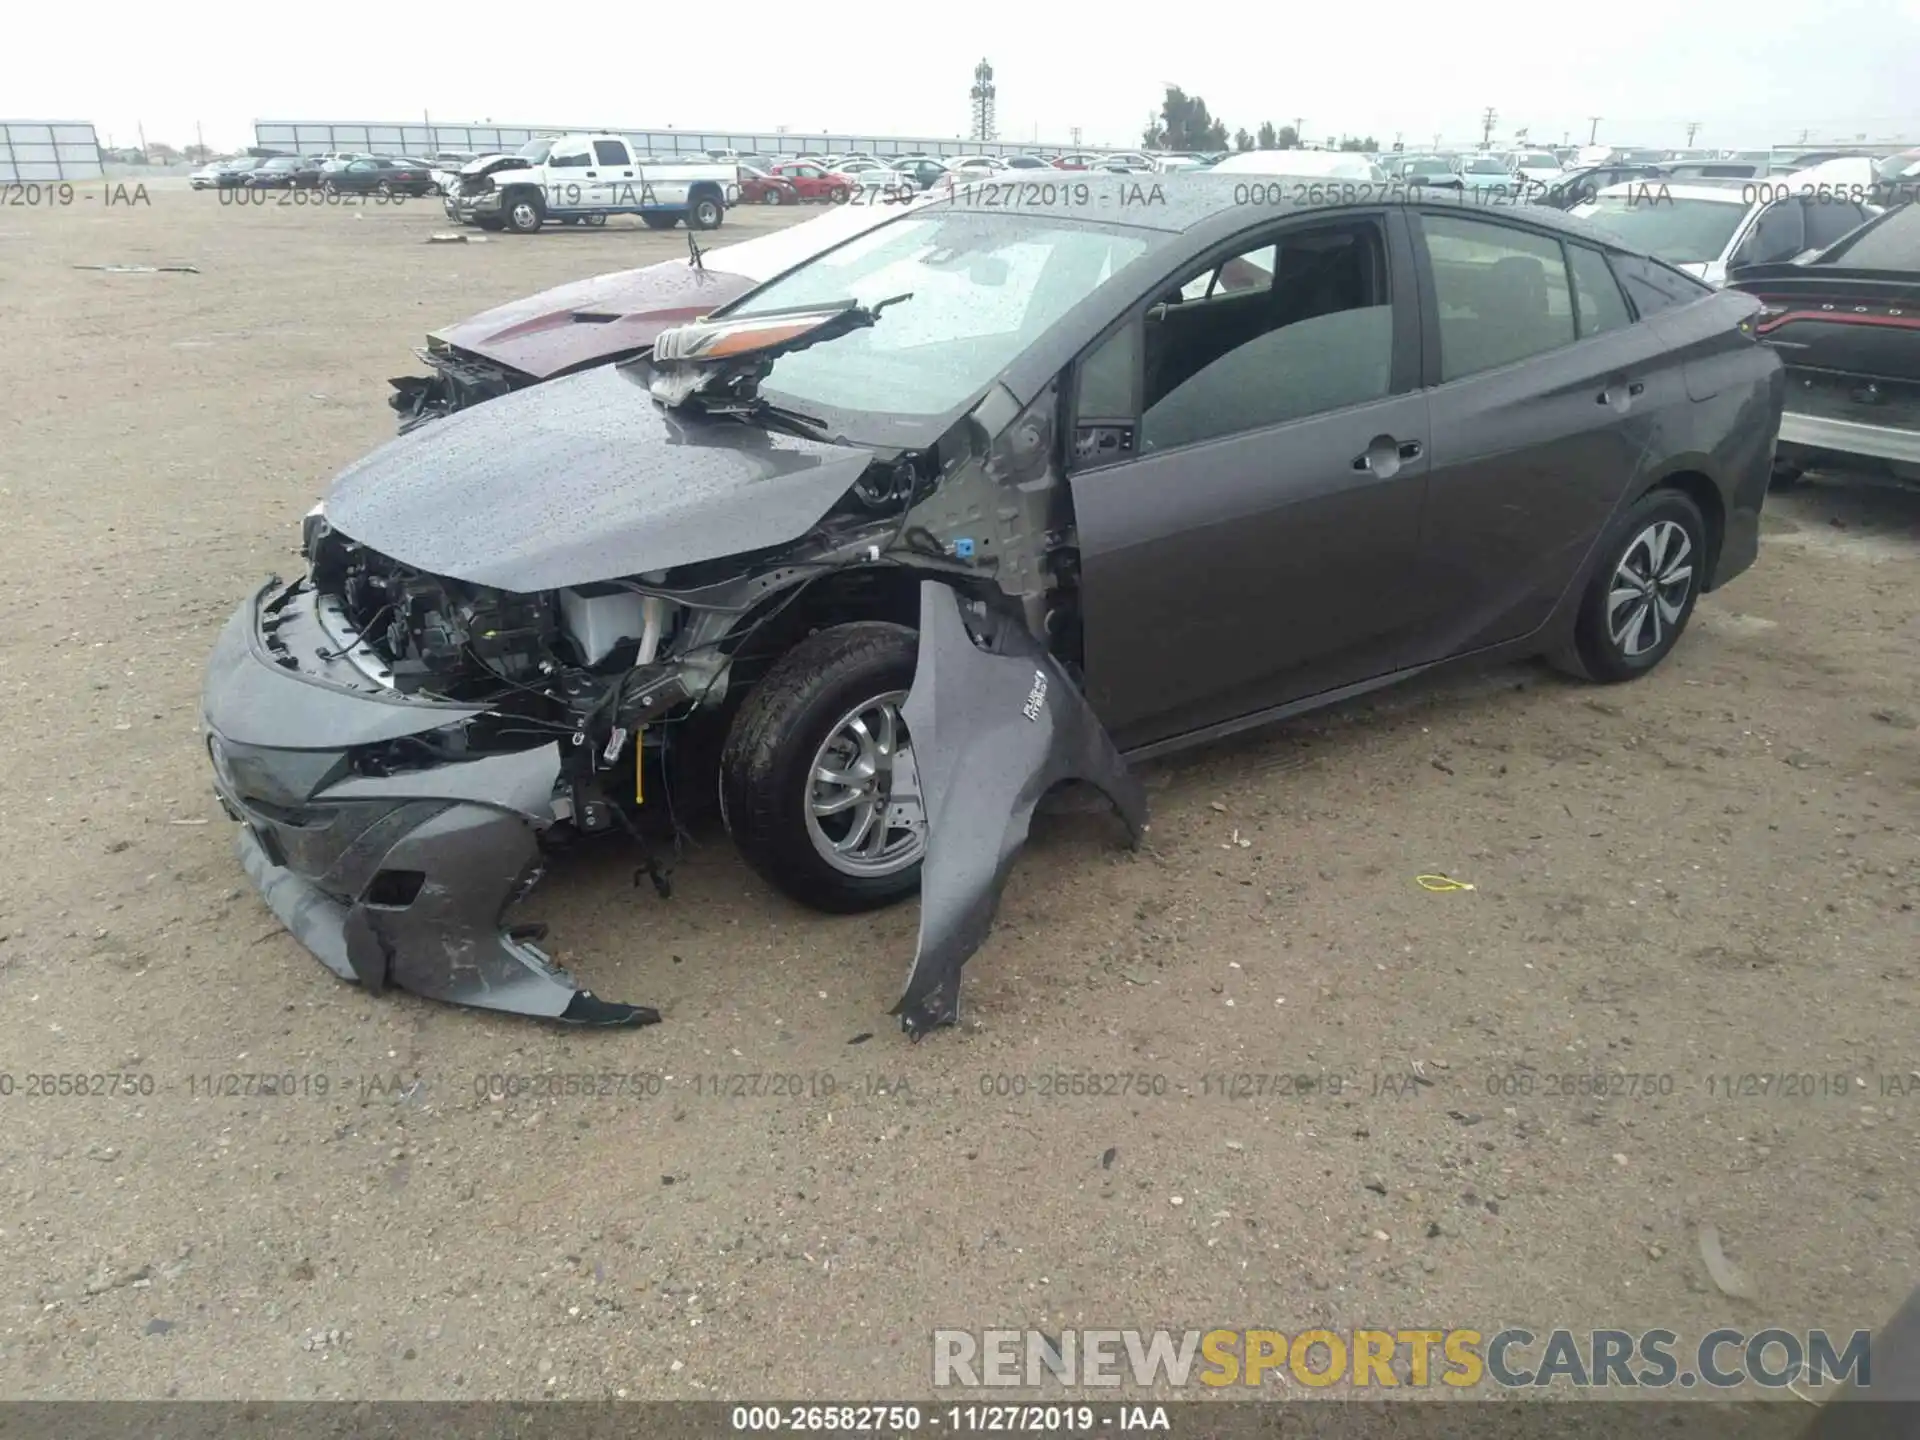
(983, 288)
(1307, 329)
(1501, 293)
(570, 160)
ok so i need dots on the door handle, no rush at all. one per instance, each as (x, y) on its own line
(593, 174)
(1384, 455)
(1634, 389)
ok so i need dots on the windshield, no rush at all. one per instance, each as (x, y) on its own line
(1537, 160)
(1680, 232)
(536, 150)
(984, 288)
(1485, 165)
(1425, 167)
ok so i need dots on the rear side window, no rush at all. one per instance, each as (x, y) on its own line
(1501, 293)
(610, 152)
(1596, 295)
(1653, 287)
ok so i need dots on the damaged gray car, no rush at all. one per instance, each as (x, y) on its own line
(1002, 493)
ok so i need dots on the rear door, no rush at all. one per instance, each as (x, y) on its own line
(1249, 457)
(614, 174)
(1544, 392)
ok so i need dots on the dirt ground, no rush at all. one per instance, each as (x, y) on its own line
(1708, 875)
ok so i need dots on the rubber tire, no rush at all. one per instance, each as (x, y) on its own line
(770, 747)
(1599, 659)
(1786, 476)
(696, 210)
(595, 221)
(539, 217)
(772, 196)
(491, 223)
(839, 195)
(660, 222)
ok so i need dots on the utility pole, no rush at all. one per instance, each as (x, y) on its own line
(1074, 131)
(1593, 130)
(1487, 117)
(1299, 133)
(199, 140)
(982, 96)
(1692, 127)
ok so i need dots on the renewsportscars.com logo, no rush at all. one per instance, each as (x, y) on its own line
(1511, 1358)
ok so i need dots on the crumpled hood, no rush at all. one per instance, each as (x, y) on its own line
(584, 479)
(543, 335)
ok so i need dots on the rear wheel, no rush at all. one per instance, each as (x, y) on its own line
(1640, 598)
(596, 220)
(817, 781)
(705, 213)
(661, 222)
(1786, 475)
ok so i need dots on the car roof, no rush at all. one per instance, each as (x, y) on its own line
(1208, 206)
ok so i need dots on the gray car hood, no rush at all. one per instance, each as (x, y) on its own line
(582, 479)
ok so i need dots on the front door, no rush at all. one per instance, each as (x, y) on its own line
(1250, 463)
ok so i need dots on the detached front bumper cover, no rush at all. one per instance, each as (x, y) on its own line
(400, 880)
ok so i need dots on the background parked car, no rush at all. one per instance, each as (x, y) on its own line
(1486, 174)
(1584, 182)
(1706, 227)
(1847, 323)
(1435, 170)
(813, 182)
(1331, 164)
(1078, 160)
(924, 172)
(759, 187)
(223, 174)
(378, 176)
(274, 174)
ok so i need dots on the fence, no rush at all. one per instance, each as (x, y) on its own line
(43, 150)
(314, 137)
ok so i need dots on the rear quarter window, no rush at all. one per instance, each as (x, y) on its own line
(1652, 287)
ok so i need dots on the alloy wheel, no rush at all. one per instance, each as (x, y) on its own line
(864, 813)
(1650, 588)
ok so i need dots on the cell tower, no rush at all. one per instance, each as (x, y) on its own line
(982, 96)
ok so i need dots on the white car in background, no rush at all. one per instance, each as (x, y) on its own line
(1330, 164)
(1706, 227)
(1539, 168)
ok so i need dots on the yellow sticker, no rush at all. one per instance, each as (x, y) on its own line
(639, 766)
(1440, 883)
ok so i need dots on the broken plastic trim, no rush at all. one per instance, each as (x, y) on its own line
(993, 730)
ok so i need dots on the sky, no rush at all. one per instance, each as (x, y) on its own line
(1748, 74)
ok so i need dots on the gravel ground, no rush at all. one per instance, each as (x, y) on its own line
(1709, 874)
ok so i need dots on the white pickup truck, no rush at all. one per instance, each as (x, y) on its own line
(582, 179)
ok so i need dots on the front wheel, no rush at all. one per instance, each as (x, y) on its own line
(1641, 596)
(817, 780)
(770, 196)
(525, 214)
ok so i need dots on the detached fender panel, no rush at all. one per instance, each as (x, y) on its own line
(993, 731)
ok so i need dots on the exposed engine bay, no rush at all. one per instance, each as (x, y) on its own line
(603, 690)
